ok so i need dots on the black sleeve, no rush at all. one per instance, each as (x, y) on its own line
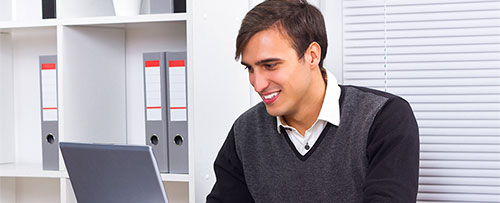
(230, 185)
(393, 155)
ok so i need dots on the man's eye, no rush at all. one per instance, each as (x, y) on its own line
(270, 65)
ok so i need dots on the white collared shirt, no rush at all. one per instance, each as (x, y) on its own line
(330, 113)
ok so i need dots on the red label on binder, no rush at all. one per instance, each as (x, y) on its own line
(153, 107)
(50, 108)
(49, 66)
(177, 107)
(155, 63)
(176, 63)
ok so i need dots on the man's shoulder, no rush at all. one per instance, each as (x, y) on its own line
(366, 90)
(388, 99)
(361, 91)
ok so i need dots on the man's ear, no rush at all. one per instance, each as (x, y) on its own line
(313, 55)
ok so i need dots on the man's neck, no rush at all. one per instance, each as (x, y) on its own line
(309, 111)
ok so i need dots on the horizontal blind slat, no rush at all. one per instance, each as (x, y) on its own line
(458, 107)
(372, 3)
(458, 115)
(446, 90)
(461, 131)
(453, 98)
(459, 197)
(459, 139)
(460, 173)
(459, 189)
(458, 123)
(423, 50)
(412, 34)
(460, 164)
(425, 73)
(446, 41)
(495, 56)
(395, 8)
(443, 82)
(459, 156)
(474, 181)
(431, 147)
(368, 83)
(423, 25)
(405, 17)
(450, 65)
(364, 3)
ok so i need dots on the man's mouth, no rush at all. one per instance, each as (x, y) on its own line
(270, 98)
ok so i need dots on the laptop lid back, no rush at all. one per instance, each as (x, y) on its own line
(113, 173)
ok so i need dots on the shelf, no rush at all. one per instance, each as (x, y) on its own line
(30, 189)
(105, 20)
(28, 170)
(35, 171)
(126, 19)
(28, 24)
(175, 177)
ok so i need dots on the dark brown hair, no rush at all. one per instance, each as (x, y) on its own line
(300, 22)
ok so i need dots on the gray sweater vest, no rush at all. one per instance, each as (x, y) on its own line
(333, 170)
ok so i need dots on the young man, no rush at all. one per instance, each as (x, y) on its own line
(311, 140)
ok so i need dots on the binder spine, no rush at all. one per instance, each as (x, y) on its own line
(48, 9)
(179, 6)
(177, 111)
(49, 112)
(155, 107)
(161, 6)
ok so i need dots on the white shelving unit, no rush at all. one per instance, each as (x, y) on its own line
(100, 79)
(93, 94)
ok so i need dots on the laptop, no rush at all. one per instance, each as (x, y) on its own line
(113, 173)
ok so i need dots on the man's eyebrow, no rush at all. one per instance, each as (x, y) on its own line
(267, 60)
(262, 61)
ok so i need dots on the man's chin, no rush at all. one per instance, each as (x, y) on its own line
(273, 111)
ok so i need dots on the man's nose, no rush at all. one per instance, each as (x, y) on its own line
(259, 81)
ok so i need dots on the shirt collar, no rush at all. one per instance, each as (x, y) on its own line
(330, 110)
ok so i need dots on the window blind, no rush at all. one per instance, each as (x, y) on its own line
(442, 56)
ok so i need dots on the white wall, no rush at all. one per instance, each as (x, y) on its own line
(5, 10)
(26, 10)
(332, 12)
(221, 90)
(95, 104)
(6, 101)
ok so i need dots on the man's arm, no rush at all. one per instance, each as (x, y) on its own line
(230, 185)
(393, 155)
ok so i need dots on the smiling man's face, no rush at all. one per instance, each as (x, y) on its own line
(282, 80)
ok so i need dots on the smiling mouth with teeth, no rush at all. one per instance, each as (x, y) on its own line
(270, 98)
